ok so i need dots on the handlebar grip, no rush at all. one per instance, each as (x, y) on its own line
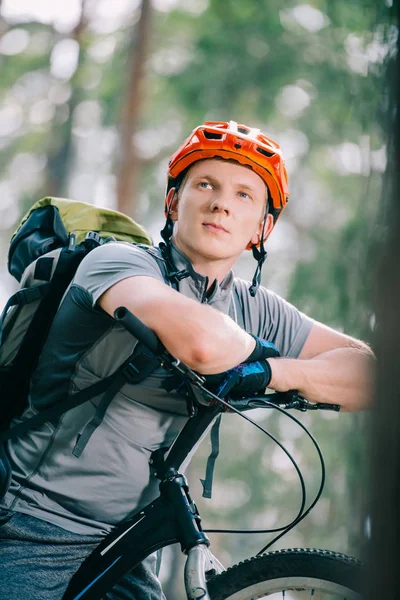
(138, 329)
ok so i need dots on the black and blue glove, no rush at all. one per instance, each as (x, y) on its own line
(245, 380)
(262, 350)
(248, 378)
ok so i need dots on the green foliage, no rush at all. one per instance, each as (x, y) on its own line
(311, 79)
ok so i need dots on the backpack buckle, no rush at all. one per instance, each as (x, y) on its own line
(93, 238)
(140, 366)
(71, 242)
(131, 373)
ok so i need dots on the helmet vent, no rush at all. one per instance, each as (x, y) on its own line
(212, 136)
(265, 152)
(243, 130)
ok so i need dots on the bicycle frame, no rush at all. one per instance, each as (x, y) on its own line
(171, 518)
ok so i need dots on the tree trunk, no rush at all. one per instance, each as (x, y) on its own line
(128, 172)
(60, 159)
(383, 565)
(4, 26)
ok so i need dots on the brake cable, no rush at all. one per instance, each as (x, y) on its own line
(303, 501)
(320, 489)
(301, 514)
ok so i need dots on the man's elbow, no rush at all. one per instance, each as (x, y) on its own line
(363, 348)
(200, 354)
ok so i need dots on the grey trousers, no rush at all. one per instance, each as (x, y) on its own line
(37, 560)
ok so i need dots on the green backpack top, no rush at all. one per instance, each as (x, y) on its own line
(80, 217)
(56, 222)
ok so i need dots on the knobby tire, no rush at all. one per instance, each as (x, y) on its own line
(332, 575)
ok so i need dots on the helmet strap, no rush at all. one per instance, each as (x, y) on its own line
(173, 275)
(260, 254)
(166, 232)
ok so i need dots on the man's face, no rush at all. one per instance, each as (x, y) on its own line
(219, 209)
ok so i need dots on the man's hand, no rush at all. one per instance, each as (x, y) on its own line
(331, 367)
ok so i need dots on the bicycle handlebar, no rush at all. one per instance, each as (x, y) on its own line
(144, 334)
(290, 399)
(139, 330)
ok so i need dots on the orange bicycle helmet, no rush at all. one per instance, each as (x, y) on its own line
(248, 146)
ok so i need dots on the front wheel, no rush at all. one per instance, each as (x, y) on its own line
(297, 574)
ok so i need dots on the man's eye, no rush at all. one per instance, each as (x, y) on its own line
(244, 195)
(204, 184)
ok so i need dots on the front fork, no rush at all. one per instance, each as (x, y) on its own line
(199, 562)
(194, 541)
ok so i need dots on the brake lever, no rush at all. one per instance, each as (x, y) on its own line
(322, 406)
(292, 400)
(300, 403)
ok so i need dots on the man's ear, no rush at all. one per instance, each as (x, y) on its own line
(172, 204)
(269, 225)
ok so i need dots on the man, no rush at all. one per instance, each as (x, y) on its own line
(226, 188)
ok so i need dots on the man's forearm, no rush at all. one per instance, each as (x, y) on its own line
(200, 336)
(342, 376)
(224, 344)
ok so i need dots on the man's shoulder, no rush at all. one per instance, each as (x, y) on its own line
(106, 265)
(265, 302)
(264, 296)
(125, 248)
(272, 317)
(122, 252)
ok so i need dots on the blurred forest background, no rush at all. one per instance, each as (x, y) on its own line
(94, 98)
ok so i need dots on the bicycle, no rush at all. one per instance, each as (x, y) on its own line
(293, 574)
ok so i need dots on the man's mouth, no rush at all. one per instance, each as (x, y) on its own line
(215, 227)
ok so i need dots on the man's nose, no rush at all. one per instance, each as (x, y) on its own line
(221, 203)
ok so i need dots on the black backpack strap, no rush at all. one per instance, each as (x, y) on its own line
(26, 296)
(163, 258)
(26, 359)
(208, 481)
(140, 365)
(39, 327)
(135, 369)
(84, 437)
(22, 297)
(55, 411)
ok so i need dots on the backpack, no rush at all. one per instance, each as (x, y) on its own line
(44, 254)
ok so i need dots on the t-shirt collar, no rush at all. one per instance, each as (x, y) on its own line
(198, 282)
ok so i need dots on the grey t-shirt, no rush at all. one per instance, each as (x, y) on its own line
(112, 478)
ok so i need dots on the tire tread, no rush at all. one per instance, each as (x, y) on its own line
(306, 562)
